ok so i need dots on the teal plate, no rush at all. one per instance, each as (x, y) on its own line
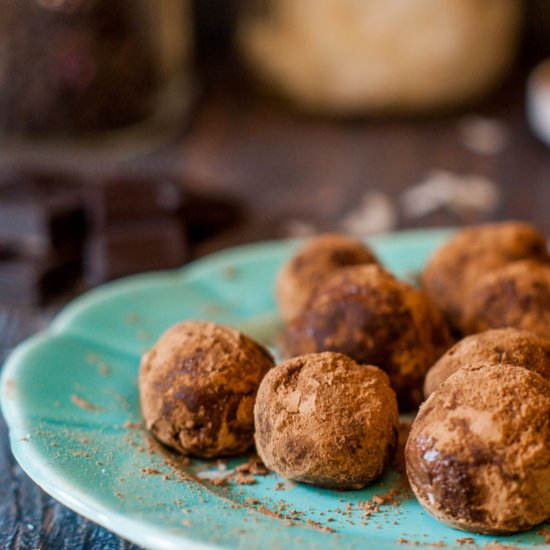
(70, 398)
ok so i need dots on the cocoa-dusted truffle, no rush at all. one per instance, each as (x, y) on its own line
(319, 257)
(325, 420)
(478, 452)
(470, 254)
(197, 388)
(516, 295)
(500, 346)
(366, 313)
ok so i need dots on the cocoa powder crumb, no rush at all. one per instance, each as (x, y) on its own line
(132, 318)
(229, 273)
(404, 541)
(219, 481)
(80, 453)
(241, 479)
(103, 369)
(151, 471)
(83, 404)
(269, 512)
(319, 526)
(132, 425)
(545, 533)
(254, 467)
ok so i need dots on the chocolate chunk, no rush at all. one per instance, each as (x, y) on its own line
(205, 215)
(130, 197)
(130, 247)
(39, 212)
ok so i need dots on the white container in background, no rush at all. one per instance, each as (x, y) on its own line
(361, 56)
(538, 101)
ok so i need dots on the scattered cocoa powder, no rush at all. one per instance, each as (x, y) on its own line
(132, 425)
(151, 471)
(83, 404)
(254, 466)
(218, 481)
(319, 526)
(545, 533)
(242, 479)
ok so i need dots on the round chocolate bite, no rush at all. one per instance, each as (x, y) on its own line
(369, 315)
(499, 346)
(516, 295)
(478, 452)
(319, 257)
(197, 388)
(326, 420)
(470, 254)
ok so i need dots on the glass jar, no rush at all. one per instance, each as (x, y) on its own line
(88, 74)
(362, 56)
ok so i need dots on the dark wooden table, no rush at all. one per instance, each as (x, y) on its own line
(293, 173)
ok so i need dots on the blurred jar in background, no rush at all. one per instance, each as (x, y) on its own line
(538, 29)
(362, 56)
(73, 69)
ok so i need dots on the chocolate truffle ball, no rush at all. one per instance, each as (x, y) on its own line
(516, 295)
(325, 420)
(500, 346)
(478, 452)
(197, 388)
(318, 258)
(470, 254)
(366, 313)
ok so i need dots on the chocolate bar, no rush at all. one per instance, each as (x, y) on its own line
(205, 215)
(132, 197)
(131, 247)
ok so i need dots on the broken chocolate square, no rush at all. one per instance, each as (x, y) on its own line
(132, 247)
(132, 197)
